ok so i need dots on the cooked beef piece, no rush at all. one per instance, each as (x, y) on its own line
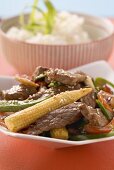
(42, 93)
(39, 70)
(108, 97)
(94, 116)
(56, 119)
(19, 92)
(53, 91)
(63, 88)
(90, 99)
(64, 77)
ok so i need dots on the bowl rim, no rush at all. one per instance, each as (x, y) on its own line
(111, 35)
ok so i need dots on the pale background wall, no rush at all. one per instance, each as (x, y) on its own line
(96, 7)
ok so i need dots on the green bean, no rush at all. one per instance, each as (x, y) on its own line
(15, 105)
(106, 113)
(100, 82)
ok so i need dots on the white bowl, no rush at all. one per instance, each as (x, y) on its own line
(26, 56)
(95, 69)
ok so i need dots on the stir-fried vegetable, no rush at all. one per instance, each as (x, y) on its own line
(61, 133)
(100, 82)
(104, 102)
(96, 133)
(26, 81)
(107, 89)
(44, 24)
(108, 114)
(91, 136)
(97, 130)
(54, 84)
(15, 105)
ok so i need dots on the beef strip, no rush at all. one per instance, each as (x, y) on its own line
(39, 70)
(42, 93)
(94, 116)
(63, 88)
(18, 92)
(56, 119)
(64, 77)
(90, 99)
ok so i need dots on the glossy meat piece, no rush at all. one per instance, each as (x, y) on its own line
(18, 92)
(64, 77)
(56, 119)
(89, 100)
(94, 116)
(39, 70)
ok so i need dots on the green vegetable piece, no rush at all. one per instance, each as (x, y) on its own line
(15, 105)
(88, 136)
(54, 84)
(100, 82)
(32, 15)
(44, 24)
(106, 113)
(49, 16)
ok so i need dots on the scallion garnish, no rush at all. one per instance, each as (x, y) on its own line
(44, 24)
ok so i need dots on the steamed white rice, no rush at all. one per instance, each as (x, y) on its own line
(68, 29)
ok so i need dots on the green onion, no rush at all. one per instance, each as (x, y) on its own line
(88, 137)
(32, 15)
(44, 24)
(106, 113)
(100, 82)
(49, 16)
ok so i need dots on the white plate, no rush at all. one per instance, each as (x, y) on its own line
(100, 68)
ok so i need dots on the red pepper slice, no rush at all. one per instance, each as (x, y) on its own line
(107, 89)
(104, 102)
(97, 130)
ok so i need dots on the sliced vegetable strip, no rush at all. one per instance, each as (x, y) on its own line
(60, 133)
(97, 130)
(100, 82)
(93, 136)
(105, 112)
(104, 102)
(28, 116)
(15, 105)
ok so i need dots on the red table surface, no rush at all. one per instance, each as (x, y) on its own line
(16, 154)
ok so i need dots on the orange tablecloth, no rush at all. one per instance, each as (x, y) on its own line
(16, 154)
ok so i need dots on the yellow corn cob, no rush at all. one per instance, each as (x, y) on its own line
(28, 116)
(60, 133)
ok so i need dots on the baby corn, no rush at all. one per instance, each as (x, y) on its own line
(28, 116)
(60, 133)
